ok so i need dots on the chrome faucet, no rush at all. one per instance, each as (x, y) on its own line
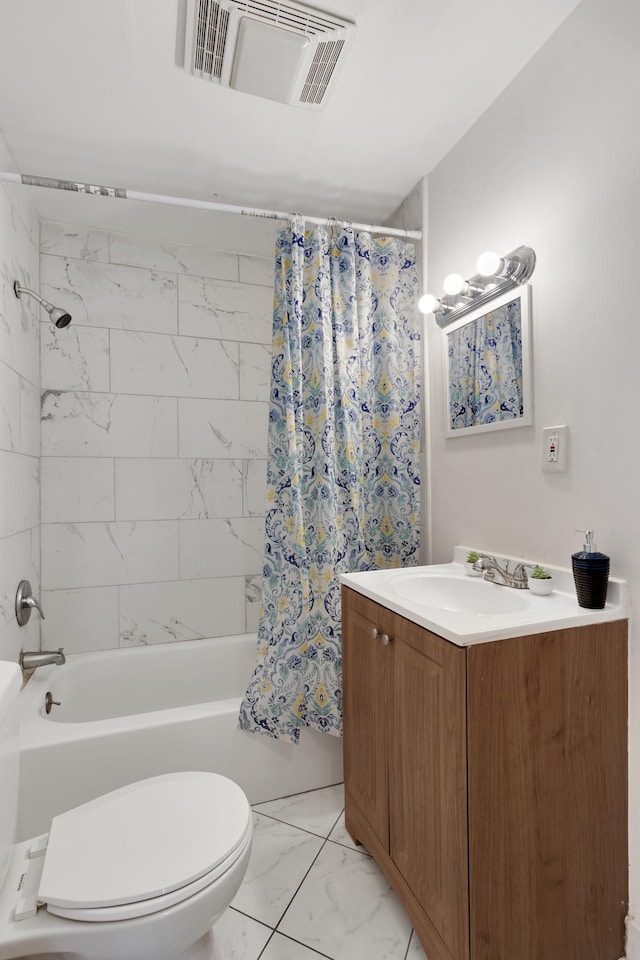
(492, 571)
(41, 658)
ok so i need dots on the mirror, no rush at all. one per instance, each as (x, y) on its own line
(488, 366)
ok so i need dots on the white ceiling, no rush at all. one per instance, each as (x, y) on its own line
(91, 90)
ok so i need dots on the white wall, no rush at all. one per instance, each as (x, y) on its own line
(154, 428)
(19, 415)
(555, 164)
(410, 215)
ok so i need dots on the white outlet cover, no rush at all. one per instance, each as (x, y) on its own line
(562, 435)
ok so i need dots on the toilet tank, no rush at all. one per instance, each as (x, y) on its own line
(10, 685)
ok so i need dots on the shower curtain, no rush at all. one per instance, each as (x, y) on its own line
(342, 461)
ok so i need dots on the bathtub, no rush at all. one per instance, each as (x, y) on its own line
(129, 714)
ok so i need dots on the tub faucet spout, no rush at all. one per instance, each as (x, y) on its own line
(29, 660)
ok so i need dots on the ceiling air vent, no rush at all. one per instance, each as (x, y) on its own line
(283, 51)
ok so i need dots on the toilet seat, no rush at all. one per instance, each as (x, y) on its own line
(142, 908)
(144, 847)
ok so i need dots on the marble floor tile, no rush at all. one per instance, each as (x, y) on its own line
(339, 835)
(415, 951)
(347, 910)
(282, 948)
(280, 858)
(238, 937)
(316, 811)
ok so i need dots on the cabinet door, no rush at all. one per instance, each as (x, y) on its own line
(365, 664)
(548, 795)
(428, 778)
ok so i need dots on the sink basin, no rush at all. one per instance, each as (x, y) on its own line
(468, 610)
(462, 595)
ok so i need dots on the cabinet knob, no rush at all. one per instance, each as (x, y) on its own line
(374, 632)
(385, 640)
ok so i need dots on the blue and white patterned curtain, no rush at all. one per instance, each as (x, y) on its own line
(342, 468)
(485, 368)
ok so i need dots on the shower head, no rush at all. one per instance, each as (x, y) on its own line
(59, 317)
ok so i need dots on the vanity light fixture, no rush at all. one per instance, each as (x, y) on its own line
(430, 304)
(453, 284)
(495, 275)
(489, 264)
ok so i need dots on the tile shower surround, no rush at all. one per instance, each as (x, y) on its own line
(154, 430)
(19, 417)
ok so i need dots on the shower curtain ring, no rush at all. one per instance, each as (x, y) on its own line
(334, 225)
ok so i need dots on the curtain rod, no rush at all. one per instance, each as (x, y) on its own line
(121, 193)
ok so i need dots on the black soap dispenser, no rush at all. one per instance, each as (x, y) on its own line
(591, 574)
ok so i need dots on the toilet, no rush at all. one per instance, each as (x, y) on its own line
(141, 873)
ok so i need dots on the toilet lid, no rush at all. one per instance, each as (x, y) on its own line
(143, 840)
(142, 908)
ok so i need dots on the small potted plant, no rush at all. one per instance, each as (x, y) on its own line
(540, 581)
(472, 557)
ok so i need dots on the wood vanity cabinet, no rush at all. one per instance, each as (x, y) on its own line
(490, 783)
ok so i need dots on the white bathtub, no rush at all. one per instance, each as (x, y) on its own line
(129, 714)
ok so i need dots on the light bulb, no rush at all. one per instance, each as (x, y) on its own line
(428, 303)
(488, 264)
(453, 284)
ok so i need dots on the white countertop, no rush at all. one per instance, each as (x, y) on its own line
(531, 614)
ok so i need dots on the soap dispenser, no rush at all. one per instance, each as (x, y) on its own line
(591, 574)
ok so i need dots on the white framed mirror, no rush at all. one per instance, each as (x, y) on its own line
(487, 360)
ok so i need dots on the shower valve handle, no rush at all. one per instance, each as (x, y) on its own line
(25, 603)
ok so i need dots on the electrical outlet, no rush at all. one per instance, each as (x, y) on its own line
(554, 449)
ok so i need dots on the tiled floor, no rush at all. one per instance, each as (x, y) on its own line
(310, 893)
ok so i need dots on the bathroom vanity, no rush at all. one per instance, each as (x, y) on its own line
(488, 778)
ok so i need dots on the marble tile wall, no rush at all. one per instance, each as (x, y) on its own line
(19, 416)
(154, 430)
